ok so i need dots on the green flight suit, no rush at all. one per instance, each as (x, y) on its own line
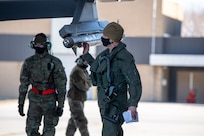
(42, 71)
(124, 77)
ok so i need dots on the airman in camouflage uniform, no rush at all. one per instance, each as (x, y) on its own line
(79, 85)
(45, 73)
(117, 79)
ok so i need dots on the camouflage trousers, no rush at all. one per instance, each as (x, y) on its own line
(78, 119)
(38, 111)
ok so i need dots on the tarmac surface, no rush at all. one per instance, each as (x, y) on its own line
(155, 119)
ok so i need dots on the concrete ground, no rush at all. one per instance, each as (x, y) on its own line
(155, 119)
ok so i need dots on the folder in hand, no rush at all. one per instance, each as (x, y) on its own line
(127, 115)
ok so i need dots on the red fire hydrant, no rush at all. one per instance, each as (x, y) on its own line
(191, 98)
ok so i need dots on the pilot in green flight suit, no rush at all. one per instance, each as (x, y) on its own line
(117, 79)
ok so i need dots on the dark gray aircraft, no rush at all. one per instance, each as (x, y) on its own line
(85, 26)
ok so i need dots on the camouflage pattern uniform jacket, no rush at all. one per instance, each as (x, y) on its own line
(79, 83)
(35, 72)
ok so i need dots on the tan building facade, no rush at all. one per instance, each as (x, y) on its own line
(140, 18)
(153, 19)
(134, 16)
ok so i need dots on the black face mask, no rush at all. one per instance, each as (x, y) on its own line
(105, 41)
(83, 66)
(40, 50)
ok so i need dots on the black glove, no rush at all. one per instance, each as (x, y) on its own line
(20, 109)
(59, 111)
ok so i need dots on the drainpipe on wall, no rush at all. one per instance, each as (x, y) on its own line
(153, 42)
(154, 15)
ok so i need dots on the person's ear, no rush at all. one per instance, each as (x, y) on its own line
(111, 41)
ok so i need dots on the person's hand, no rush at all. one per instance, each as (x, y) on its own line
(20, 109)
(59, 111)
(85, 48)
(133, 110)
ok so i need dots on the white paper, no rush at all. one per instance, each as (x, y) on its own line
(128, 117)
